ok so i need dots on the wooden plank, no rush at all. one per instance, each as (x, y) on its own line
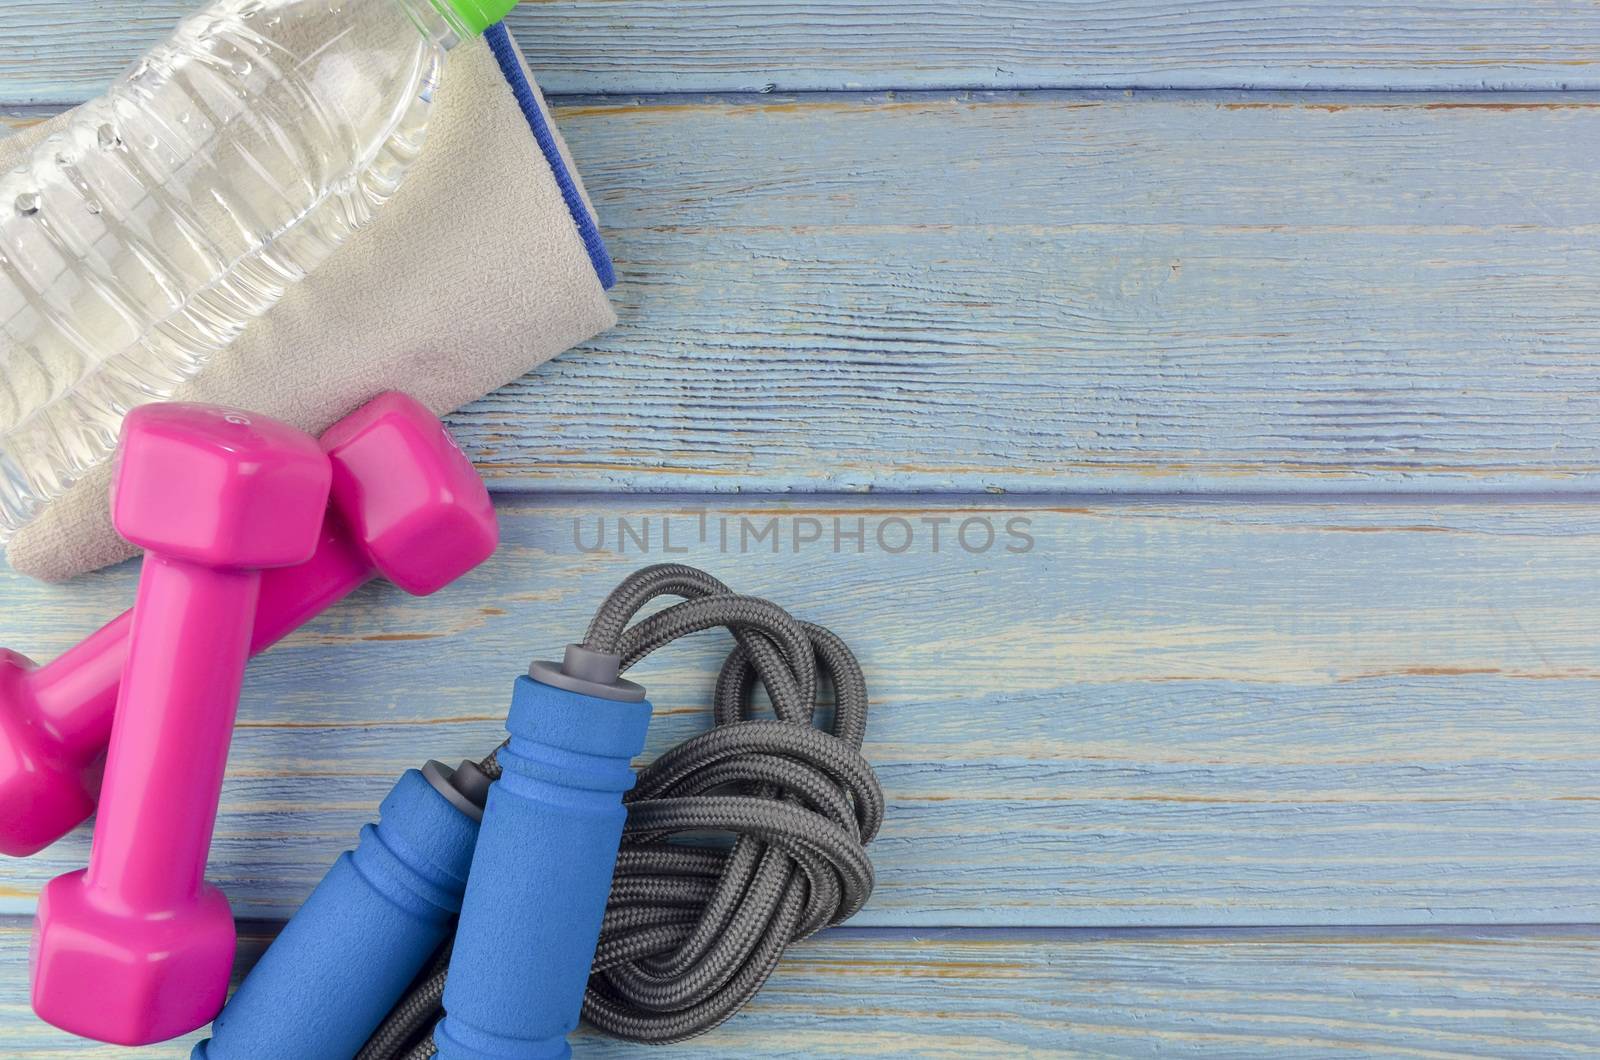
(1236, 994)
(1068, 293)
(1045, 293)
(1161, 713)
(754, 45)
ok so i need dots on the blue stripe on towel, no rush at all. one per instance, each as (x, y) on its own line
(505, 54)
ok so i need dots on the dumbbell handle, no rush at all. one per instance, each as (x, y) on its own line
(170, 745)
(76, 695)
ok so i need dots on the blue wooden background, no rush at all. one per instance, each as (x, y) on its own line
(1277, 323)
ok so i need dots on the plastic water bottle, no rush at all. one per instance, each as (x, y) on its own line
(222, 167)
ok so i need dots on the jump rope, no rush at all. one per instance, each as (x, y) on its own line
(693, 930)
(489, 905)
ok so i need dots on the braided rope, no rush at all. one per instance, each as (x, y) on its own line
(692, 930)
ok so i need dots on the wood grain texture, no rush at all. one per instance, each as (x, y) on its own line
(1136, 994)
(1061, 292)
(1045, 293)
(796, 45)
(1248, 710)
(1161, 714)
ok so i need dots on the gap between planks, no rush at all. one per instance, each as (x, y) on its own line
(603, 45)
(1043, 993)
(258, 927)
(1246, 714)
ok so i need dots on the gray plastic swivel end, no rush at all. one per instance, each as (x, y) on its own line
(466, 787)
(588, 673)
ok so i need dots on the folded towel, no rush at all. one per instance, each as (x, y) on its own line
(443, 302)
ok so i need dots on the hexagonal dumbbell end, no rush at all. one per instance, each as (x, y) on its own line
(123, 976)
(408, 505)
(409, 495)
(138, 948)
(46, 787)
(218, 487)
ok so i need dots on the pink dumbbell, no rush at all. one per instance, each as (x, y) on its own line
(406, 505)
(138, 947)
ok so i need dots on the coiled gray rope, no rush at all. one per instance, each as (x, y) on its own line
(692, 931)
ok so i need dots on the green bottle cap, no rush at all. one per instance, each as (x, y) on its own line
(475, 15)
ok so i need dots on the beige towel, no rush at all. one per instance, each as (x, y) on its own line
(432, 298)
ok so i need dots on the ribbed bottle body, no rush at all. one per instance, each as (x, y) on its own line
(224, 166)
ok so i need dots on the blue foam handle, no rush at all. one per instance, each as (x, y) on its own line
(541, 875)
(340, 965)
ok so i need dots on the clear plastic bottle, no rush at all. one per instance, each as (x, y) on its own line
(222, 167)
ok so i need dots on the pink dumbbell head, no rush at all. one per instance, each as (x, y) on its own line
(48, 776)
(138, 948)
(409, 494)
(218, 488)
(407, 505)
